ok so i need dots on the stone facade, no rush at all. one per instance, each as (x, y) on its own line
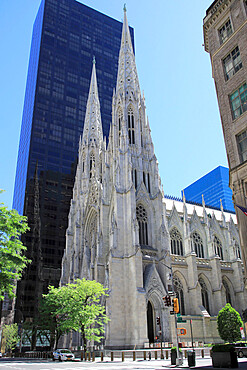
(123, 233)
(225, 28)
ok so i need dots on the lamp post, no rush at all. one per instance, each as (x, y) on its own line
(179, 361)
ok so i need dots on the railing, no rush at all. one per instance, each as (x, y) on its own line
(145, 354)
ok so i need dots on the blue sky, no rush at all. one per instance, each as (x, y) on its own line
(174, 72)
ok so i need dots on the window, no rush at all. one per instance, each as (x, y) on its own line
(134, 178)
(178, 287)
(237, 250)
(131, 128)
(91, 165)
(232, 63)
(239, 101)
(227, 292)
(176, 242)
(198, 245)
(225, 31)
(204, 293)
(218, 248)
(242, 146)
(142, 219)
(120, 118)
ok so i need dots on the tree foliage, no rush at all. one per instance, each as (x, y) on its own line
(77, 307)
(49, 320)
(229, 323)
(12, 258)
(10, 336)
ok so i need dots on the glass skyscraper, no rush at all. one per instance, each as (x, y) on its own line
(66, 37)
(213, 186)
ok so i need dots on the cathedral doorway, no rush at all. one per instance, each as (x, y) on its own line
(150, 322)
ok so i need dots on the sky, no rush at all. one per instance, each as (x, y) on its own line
(174, 72)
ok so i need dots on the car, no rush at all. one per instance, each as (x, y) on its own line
(1, 354)
(241, 349)
(63, 355)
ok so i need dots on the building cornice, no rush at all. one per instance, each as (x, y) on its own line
(212, 17)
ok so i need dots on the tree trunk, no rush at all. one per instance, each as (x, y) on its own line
(84, 339)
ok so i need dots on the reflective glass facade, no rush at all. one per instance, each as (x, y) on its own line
(66, 36)
(214, 186)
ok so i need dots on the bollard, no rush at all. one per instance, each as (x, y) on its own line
(185, 353)
(144, 355)
(89, 356)
(161, 354)
(122, 356)
(149, 355)
(155, 355)
(93, 356)
(112, 356)
(167, 355)
(101, 356)
(81, 355)
(85, 356)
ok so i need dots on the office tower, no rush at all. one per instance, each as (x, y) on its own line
(225, 29)
(214, 186)
(66, 36)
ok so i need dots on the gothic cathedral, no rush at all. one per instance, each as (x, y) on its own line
(117, 232)
(120, 230)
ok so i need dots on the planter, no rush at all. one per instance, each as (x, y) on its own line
(173, 357)
(224, 359)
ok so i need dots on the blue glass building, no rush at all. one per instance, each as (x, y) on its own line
(66, 36)
(214, 186)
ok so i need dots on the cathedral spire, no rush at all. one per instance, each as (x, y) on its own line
(127, 77)
(92, 126)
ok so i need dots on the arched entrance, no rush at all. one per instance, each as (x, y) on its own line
(150, 321)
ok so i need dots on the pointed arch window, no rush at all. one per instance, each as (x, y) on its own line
(141, 215)
(237, 250)
(134, 178)
(204, 293)
(218, 250)
(176, 242)
(91, 164)
(227, 292)
(120, 119)
(198, 245)
(178, 288)
(131, 126)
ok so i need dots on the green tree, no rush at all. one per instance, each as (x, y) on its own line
(10, 336)
(12, 258)
(48, 320)
(229, 323)
(77, 307)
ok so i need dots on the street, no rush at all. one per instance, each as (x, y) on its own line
(24, 364)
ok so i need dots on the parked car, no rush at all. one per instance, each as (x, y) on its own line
(1, 354)
(241, 349)
(63, 355)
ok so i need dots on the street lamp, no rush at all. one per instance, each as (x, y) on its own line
(179, 361)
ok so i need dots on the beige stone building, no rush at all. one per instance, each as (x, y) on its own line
(125, 234)
(225, 29)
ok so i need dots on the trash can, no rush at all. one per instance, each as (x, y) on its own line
(191, 358)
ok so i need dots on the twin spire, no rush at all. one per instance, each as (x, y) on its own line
(93, 126)
(127, 80)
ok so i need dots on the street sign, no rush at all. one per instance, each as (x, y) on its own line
(180, 318)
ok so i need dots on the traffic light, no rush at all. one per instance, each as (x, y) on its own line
(167, 300)
(158, 320)
(175, 305)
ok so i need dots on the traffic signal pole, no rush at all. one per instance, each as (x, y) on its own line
(167, 301)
